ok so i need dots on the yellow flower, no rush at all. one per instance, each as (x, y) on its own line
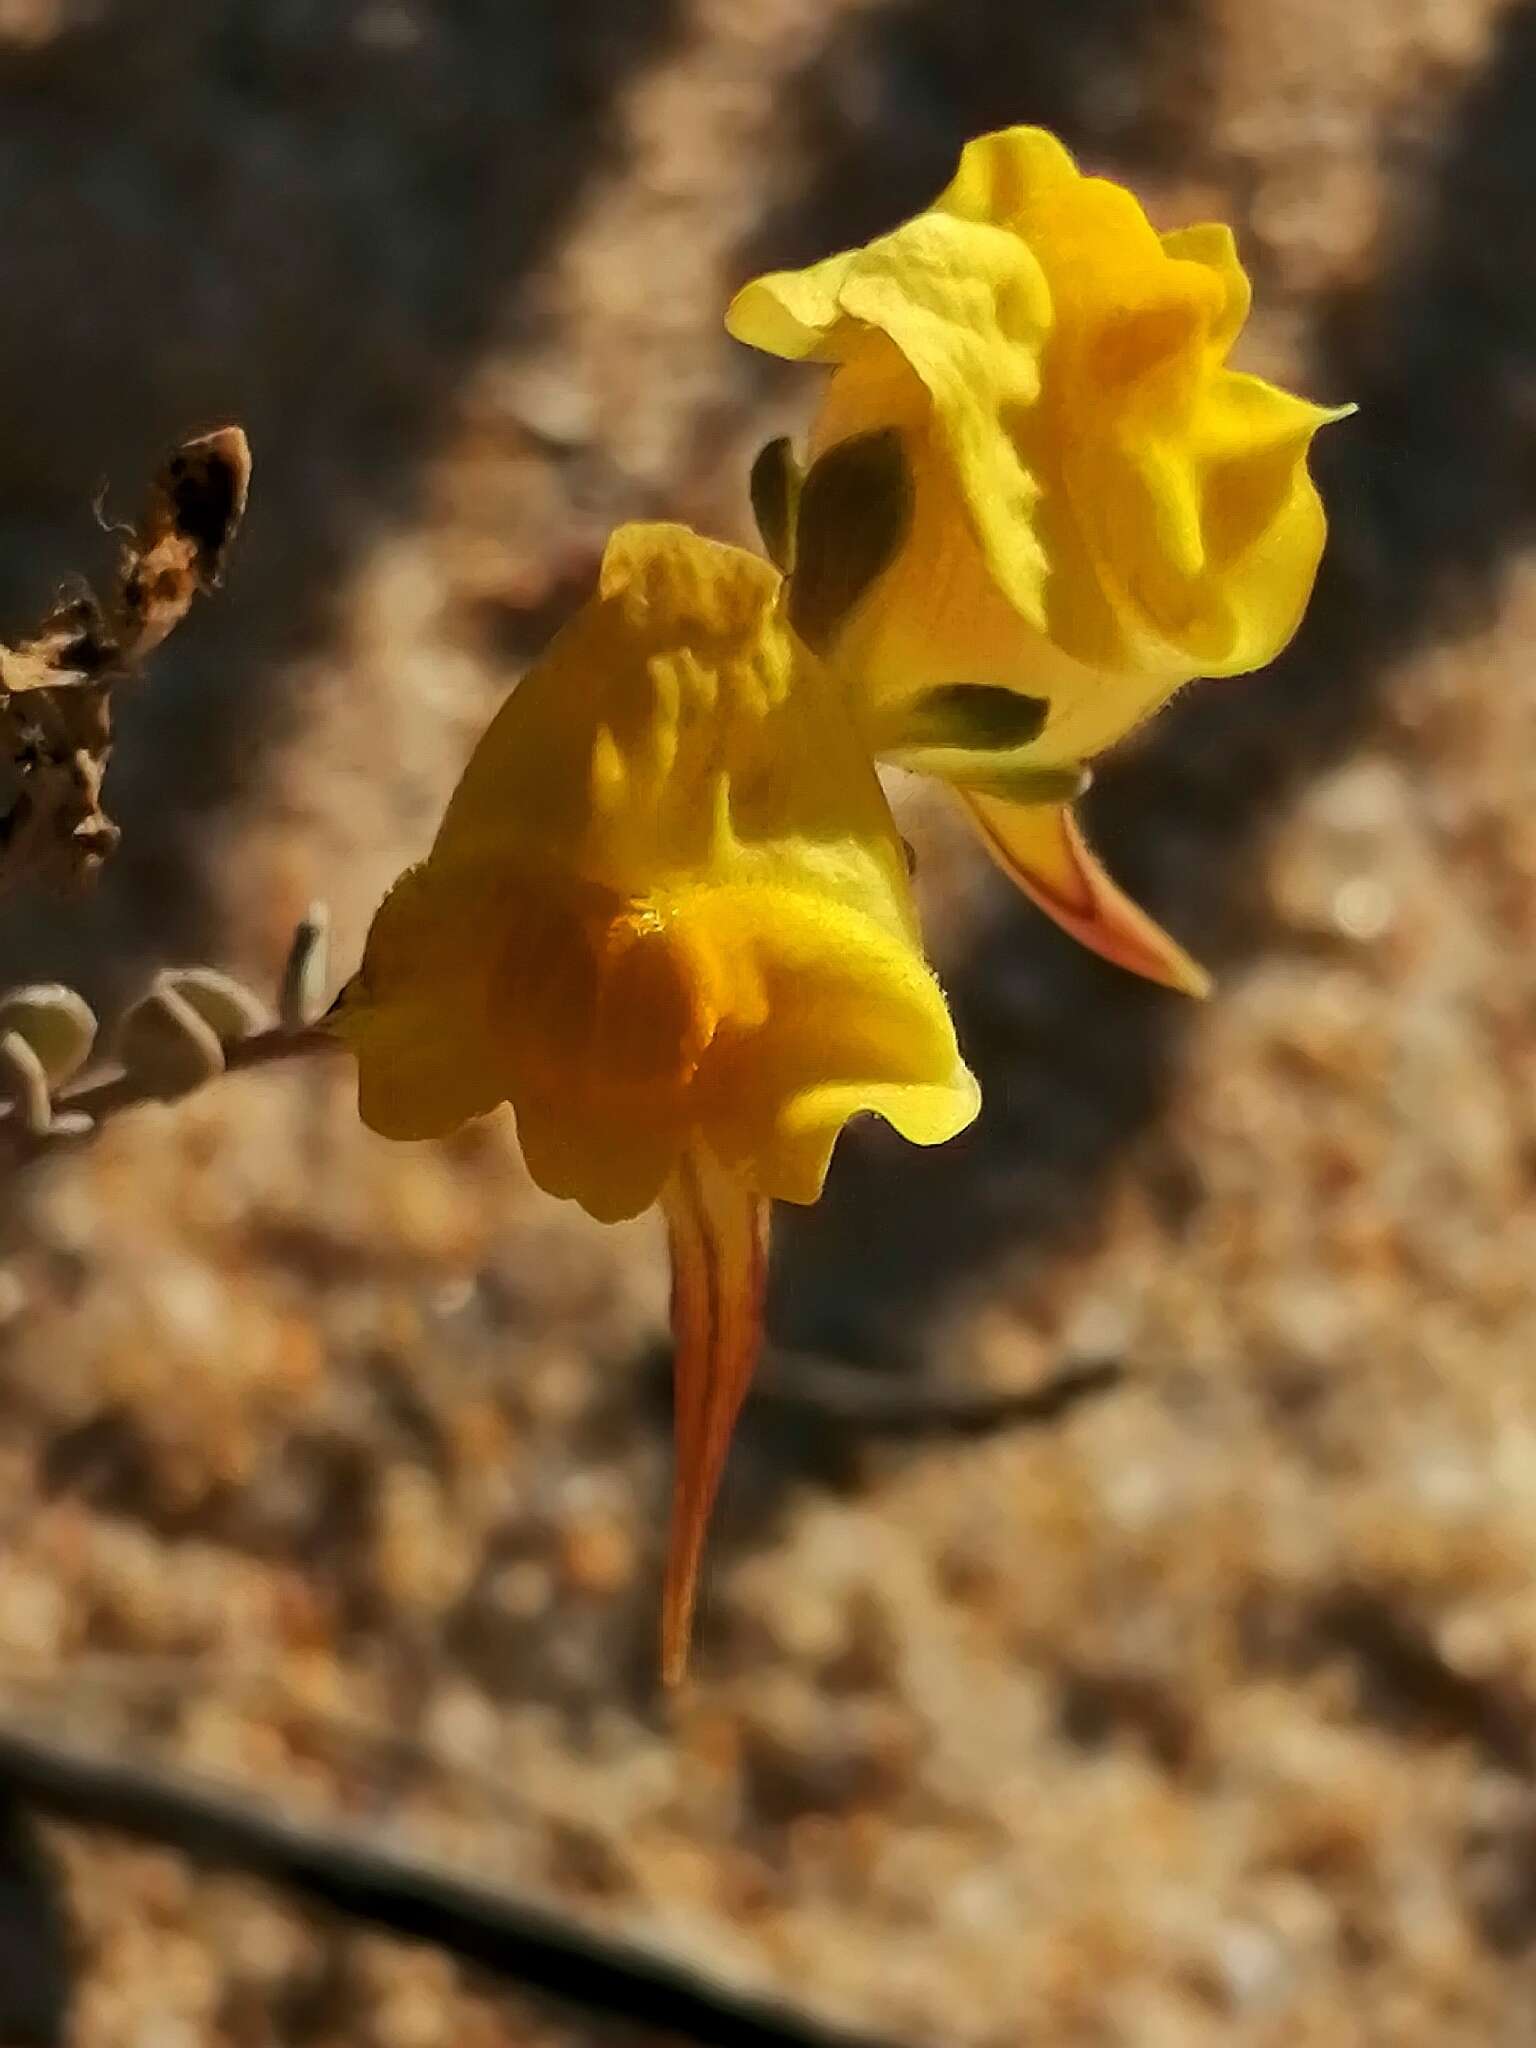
(1034, 473)
(667, 919)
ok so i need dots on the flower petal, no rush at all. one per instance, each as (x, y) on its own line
(1042, 849)
(1208, 528)
(1213, 243)
(791, 313)
(719, 1236)
(1004, 175)
(426, 961)
(939, 613)
(849, 1020)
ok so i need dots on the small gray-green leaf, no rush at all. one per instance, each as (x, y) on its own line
(774, 487)
(58, 1024)
(855, 511)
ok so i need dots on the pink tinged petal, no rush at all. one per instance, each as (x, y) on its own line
(1041, 847)
(719, 1236)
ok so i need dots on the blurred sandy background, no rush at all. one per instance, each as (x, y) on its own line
(337, 1470)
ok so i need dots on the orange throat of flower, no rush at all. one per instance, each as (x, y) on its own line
(603, 998)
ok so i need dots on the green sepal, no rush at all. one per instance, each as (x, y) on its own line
(855, 512)
(1000, 774)
(774, 486)
(1028, 783)
(982, 736)
(975, 717)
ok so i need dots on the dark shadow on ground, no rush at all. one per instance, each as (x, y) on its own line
(883, 112)
(308, 219)
(1430, 490)
(34, 1939)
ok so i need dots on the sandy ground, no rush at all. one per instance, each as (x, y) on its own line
(336, 1470)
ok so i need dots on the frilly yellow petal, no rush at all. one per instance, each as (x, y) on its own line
(1213, 244)
(1004, 175)
(851, 1021)
(1211, 540)
(425, 961)
(790, 313)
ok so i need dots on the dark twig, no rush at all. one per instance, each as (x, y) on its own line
(883, 1405)
(521, 1943)
(34, 1943)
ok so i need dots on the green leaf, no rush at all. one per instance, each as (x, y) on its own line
(855, 512)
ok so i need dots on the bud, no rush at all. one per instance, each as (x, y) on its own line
(227, 1006)
(168, 1046)
(58, 1024)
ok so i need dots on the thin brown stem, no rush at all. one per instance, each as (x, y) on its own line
(83, 1106)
